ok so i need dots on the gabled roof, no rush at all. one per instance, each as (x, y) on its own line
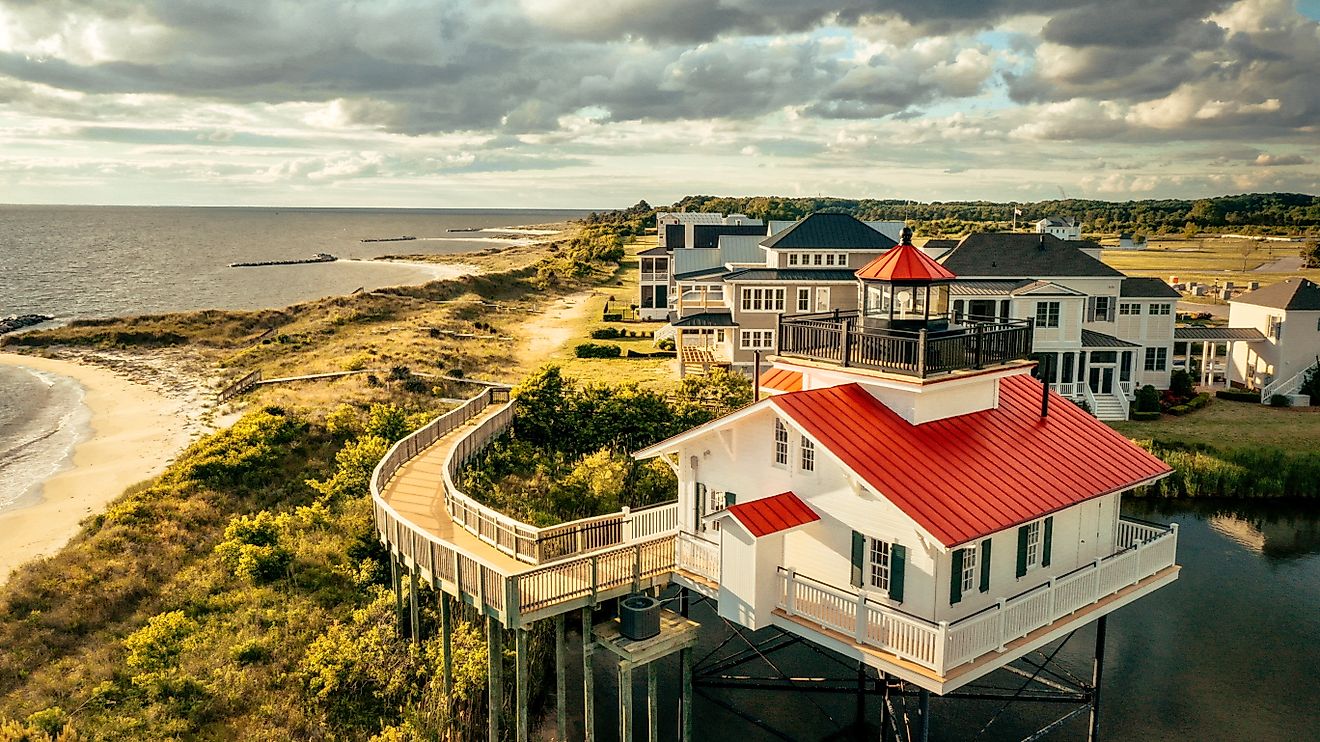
(829, 231)
(1017, 255)
(965, 477)
(904, 263)
(1093, 339)
(706, 319)
(781, 379)
(1147, 288)
(1045, 288)
(692, 217)
(773, 514)
(1298, 294)
(797, 275)
(658, 250)
(1059, 221)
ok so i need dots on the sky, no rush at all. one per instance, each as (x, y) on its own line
(601, 103)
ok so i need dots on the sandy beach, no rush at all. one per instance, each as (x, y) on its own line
(135, 432)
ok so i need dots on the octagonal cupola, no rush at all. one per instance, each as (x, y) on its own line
(905, 289)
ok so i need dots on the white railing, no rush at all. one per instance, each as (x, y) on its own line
(1144, 550)
(1068, 388)
(654, 277)
(1126, 389)
(1125, 403)
(698, 556)
(1289, 385)
(1089, 396)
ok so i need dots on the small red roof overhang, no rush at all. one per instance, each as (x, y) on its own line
(965, 477)
(773, 514)
(904, 263)
(781, 380)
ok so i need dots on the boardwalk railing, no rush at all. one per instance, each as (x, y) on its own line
(641, 553)
(1144, 550)
(698, 556)
(249, 380)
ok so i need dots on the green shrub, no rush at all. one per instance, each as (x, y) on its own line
(666, 344)
(605, 333)
(618, 317)
(1143, 416)
(1280, 400)
(1148, 399)
(251, 549)
(594, 350)
(1238, 395)
(1179, 410)
(1180, 383)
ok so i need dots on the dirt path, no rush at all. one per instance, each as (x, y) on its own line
(545, 334)
(1282, 265)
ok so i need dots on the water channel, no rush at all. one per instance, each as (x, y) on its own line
(1231, 651)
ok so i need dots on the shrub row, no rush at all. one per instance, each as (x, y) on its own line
(612, 333)
(1195, 403)
(653, 354)
(597, 350)
(1140, 416)
(1200, 471)
(1238, 395)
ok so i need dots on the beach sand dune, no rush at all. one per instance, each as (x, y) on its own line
(135, 432)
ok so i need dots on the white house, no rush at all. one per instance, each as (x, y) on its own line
(908, 497)
(682, 230)
(1063, 227)
(1287, 314)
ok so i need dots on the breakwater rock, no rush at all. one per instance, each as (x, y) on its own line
(19, 321)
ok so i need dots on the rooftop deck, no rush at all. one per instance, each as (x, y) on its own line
(842, 338)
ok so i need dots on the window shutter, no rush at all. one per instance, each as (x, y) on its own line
(1022, 551)
(730, 499)
(955, 577)
(858, 558)
(1090, 309)
(985, 565)
(897, 562)
(1045, 544)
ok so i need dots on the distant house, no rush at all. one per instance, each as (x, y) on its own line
(1063, 227)
(1287, 314)
(1130, 241)
(682, 230)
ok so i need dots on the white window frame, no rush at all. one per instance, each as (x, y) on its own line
(829, 259)
(822, 298)
(1129, 309)
(1156, 359)
(807, 459)
(818, 259)
(969, 572)
(804, 299)
(756, 339)
(843, 259)
(878, 563)
(792, 258)
(1053, 313)
(762, 299)
(1162, 310)
(1035, 543)
(781, 444)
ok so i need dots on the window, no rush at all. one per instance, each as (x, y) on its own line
(648, 297)
(1157, 359)
(1100, 309)
(781, 443)
(968, 569)
(756, 339)
(1047, 314)
(1161, 309)
(755, 299)
(817, 259)
(1125, 310)
(843, 259)
(804, 300)
(822, 298)
(1275, 326)
(792, 258)
(877, 575)
(808, 455)
(829, 259)
(1033, 545)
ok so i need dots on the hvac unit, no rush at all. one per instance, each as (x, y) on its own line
(639, 617)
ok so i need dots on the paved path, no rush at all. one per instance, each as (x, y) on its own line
(1290, 264)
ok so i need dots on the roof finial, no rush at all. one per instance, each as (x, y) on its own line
(905, 236)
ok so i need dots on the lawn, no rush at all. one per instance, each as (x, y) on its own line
(1207, 260)
(1226, 424)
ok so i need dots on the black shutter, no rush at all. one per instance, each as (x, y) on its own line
(730, 499)
(1022, 551)
(858, 557)
(897, 563)
(985, 565)
(1045, 546)
(955, 577)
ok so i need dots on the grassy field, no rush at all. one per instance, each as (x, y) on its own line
(1226, 424)
(1207, 260)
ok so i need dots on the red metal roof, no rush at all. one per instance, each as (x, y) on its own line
(773, 514)
(968, 476)
(904, 263)
(782, 380)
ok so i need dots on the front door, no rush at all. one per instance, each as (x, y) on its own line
(1102, 379)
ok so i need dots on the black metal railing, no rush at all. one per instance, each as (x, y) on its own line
(844, 339)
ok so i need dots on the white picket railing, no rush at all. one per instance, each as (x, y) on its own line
(1143, 550)
(698, 556)
(1289, 385)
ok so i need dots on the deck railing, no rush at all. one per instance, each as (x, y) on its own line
(841, 338)
(698, 556)
(1143, 550)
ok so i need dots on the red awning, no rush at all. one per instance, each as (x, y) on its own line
(782, 380)
(773, 514)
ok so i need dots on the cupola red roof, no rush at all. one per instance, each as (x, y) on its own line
(905, 263)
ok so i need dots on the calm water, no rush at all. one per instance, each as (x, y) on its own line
(78, 261)
(1231, 651)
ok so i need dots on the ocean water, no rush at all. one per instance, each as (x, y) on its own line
(78, 261)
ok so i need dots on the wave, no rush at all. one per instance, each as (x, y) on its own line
(42, 418)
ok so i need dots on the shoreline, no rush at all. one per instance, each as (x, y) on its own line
(135, 432)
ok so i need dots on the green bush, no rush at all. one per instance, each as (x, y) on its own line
(1238, 395)
(605, 333)
(595, 350)
(1180, 383)
(1280, 400)
(666, 344)
(1148, 399)
(1144, 416)
(618, 317)
(1179, 410)
(251, 549)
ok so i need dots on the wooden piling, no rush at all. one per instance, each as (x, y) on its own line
(447, 637)
(523, 701)
(494, 676)
(1097, 674)
(561, 679)
(685, 694)
(588, 679)
(414, 610)
(625, 702)
(652, 704)
(396, 583)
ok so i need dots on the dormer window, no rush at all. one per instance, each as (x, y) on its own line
(808, 455)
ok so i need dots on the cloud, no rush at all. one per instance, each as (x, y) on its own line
(1267, 160)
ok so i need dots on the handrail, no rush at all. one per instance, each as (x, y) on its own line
(1275, 387)
(1090, 397)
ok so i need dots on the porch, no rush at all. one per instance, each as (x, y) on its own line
(843, 338)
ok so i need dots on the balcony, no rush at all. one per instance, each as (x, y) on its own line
(943, 649)
(844, 339)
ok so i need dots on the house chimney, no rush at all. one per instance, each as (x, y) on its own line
(1045, 384)
(1041, 241)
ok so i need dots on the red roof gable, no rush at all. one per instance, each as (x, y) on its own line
(904, 263)
(773, 514)
(782, 380)
(969, 476)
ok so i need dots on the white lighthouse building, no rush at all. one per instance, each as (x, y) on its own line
(906, 494)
